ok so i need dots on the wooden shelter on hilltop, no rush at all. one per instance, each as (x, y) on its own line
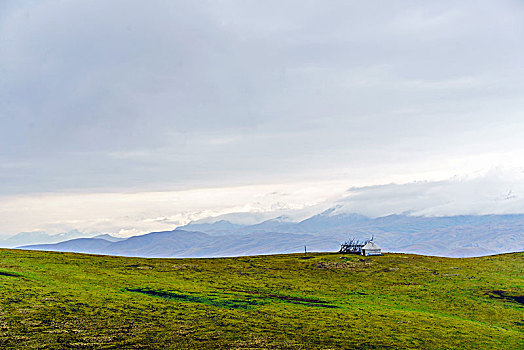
(365, 248)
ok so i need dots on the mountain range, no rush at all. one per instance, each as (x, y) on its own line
(40, 237)
(180, 243)
(454, 236)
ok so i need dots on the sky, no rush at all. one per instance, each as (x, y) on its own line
(130, 116)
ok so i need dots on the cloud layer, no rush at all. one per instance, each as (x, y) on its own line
(180, 94)
(495, 192)
(127, 96)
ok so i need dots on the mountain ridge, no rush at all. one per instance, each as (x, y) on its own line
(455, 236)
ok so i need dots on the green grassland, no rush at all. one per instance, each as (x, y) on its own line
(325, 301)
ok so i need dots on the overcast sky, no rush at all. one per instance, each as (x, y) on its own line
(212, 105)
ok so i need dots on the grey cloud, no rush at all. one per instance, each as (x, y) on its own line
(128, 94)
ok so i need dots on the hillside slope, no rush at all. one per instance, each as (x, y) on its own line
(322, 301)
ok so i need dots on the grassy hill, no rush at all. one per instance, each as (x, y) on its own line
(63, 300)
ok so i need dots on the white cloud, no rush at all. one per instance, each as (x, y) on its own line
(498, 191)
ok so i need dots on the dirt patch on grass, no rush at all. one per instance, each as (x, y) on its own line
(187, 267)
(333, 265)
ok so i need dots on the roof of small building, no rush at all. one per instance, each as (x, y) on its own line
(371, 245)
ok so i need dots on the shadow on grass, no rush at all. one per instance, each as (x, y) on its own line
(9, 274)
(233, 303)
(502, 295)
(290, 299)
(230, 304)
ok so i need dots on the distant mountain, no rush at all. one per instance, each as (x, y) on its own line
(220, 227)
(328, 221)
(455, 236)
(179, 243)
(324, 223)
(109, 238)
(39, 237)
(159, 244)
(279, 224)
(79, 245)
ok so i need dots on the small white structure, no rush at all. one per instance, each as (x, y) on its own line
(371, 248)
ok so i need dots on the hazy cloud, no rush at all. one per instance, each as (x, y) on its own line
(120, 96)
(100, 94)
(498, 191)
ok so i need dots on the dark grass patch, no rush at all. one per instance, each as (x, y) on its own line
(9, 274)
(502, 295)
(290, 299)
(314, 305)
(230, 304)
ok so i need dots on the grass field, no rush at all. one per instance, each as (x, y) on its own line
(325, 301)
